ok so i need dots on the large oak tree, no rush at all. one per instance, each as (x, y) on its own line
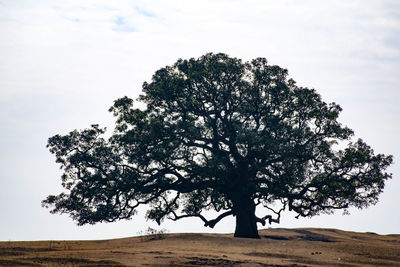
(221, 134)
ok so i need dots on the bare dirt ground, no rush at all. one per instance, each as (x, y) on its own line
(277, 247)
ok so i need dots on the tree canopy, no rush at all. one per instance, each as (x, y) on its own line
(217, 134)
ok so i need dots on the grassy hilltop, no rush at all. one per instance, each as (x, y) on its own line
(277, 247)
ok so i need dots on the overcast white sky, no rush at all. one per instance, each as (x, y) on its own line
(62, 63)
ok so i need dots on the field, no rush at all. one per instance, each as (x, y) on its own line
(277, 247)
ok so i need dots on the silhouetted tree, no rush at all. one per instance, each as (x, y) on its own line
(223, 135)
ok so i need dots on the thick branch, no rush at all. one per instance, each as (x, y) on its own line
(209, 223)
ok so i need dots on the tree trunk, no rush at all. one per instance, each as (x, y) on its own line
(246, 224)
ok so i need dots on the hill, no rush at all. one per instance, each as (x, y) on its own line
(277, 247)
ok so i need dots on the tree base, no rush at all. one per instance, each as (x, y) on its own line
(246, 224)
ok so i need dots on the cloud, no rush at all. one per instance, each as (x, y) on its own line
(122, 26)
(145, 12)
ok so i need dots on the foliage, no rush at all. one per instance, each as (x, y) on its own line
(153, 232)
(217, 134)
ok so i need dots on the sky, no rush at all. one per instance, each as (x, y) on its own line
(63, 63)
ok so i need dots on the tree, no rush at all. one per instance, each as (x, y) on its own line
(223, 135)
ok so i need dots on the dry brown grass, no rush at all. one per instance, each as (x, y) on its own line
(277, 247)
